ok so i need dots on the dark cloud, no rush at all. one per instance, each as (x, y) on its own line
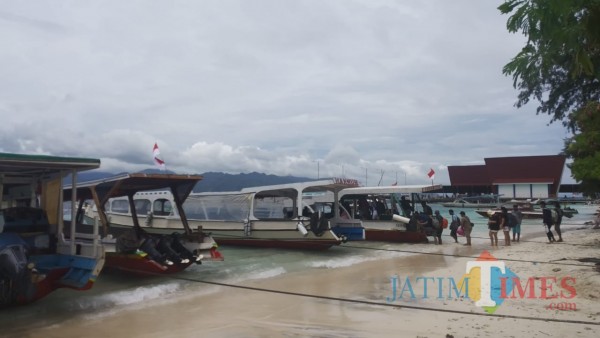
(274, 86)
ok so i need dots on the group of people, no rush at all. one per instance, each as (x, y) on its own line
(505, 222)
(432, 223)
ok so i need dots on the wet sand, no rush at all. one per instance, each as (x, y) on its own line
(352, 301)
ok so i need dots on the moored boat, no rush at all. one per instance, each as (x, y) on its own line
(381, 212)
(481, 201)
(148, 233)
(527, 208)
(269, 216)
(38, 254)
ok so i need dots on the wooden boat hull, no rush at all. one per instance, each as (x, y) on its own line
(46, 279)
(141, 264)
(273, 237)
(261, 234)
(349, 233)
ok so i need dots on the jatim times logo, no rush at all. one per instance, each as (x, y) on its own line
(489, 283)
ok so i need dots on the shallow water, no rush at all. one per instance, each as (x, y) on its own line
(114, 292)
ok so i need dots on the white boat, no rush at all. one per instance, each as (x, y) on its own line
(131, 210)
(269, 216)
(38, 253)
(390, 223)
(482, 201)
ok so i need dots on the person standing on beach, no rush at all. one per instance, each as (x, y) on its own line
(465, 223)
(504, 225)
(494, 226)
(454, 224)
(558, 220)
(596, 222)
(440, 228)
(547, 220)
(519, 218)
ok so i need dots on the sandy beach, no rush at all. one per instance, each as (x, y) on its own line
(358, 300)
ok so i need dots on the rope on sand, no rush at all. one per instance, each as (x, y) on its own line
(465, 256)
(396, 306)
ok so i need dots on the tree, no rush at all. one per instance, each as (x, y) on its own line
(559, 66)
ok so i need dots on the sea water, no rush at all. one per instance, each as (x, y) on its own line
(114, 292)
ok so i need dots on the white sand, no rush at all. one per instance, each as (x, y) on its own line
(234, 312)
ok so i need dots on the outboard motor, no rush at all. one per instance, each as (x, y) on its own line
(318, 224)
(14, 279)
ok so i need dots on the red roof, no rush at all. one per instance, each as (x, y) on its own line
(526, 169)
(511, 170)
(468, 175)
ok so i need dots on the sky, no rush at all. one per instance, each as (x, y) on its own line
(376, 90)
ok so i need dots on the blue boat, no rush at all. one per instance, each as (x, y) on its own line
(38, 254)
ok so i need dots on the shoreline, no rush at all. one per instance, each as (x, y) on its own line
(232, 312)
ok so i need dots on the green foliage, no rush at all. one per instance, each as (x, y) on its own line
(559, 67)
(585, 147)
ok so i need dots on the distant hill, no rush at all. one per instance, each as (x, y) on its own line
(213, 181)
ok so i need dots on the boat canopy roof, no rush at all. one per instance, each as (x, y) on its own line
(333, 184)
(15, 166)
(290, 190)
(129, 184)
(392, 189)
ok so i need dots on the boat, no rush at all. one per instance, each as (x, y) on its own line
(269, 216)
(145, 232)
(481, 201)
(391, 224)
(341, 223)
(38, 253)
(527, 208)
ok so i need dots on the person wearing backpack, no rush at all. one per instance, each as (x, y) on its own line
(504, 225)
(454, 224)
(494, 225)
(517, 216)
(558, 220)
(439, 227)
(547, 220)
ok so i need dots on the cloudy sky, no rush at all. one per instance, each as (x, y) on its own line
(353, 88)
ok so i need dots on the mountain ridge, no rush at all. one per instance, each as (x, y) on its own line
(212, 181)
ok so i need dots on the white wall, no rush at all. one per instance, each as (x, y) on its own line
(527, 190)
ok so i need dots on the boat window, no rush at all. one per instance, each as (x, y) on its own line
(218, 207)
(142, 206)
(271, 207)
(162, 207)
(23, 219)
(121, 206)
(326, 209)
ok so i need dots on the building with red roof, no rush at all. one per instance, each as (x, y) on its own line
(511, 177)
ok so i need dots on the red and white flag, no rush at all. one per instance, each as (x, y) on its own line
(157, 160)
(431, 173)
